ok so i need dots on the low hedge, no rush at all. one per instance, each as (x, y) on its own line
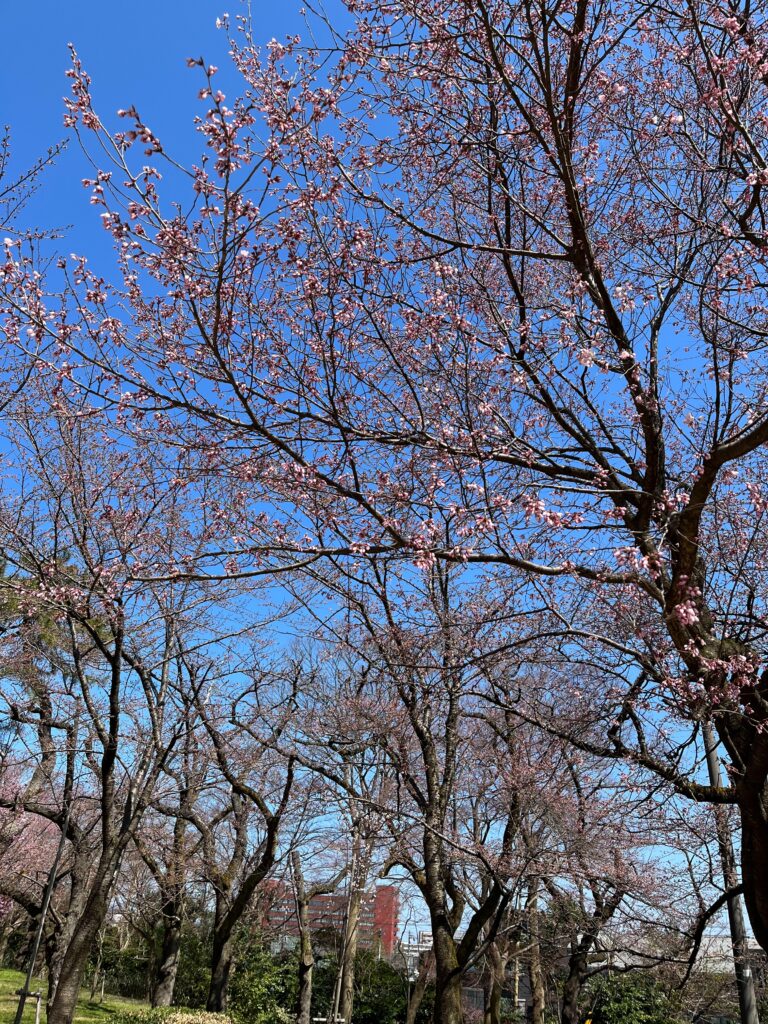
(169, 1015)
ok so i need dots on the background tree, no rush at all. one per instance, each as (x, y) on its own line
(555, 200)
(255, 783)
(94, 658)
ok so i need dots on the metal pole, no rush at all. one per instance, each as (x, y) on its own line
(24, 992)
(744, 981)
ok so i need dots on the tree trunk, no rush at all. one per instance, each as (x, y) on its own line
(221, 965)
(535, 971)
(754, 857)
(67, 923)
(492, 1008)
(349, 953)
(744, 981)
(577, 971)
(304, 997)
(496, 969)
(55, 954)
(419, 988)
(448, 1008)
(75, 959)
(306, 956)
(162, 994)
(97, 966)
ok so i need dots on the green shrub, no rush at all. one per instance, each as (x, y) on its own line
(194, 972)
(169, 1015)
(263, 987)
(633, 998)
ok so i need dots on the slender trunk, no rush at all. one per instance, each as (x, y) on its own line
(349, 953)
(306, 956)
(535, 971)
(162, 994)
(744, 981)
(492, 1000)
(304, 997)
(97, 967)
(419, 988)
(494, 984)
(538, 990)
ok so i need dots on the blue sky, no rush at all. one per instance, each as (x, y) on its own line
(135, 53)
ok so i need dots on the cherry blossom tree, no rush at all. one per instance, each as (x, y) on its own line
(479, 283)
(240, 827)
(396, 709)
(168, 848)
(94, 660)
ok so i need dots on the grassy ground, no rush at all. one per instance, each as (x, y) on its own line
(87, 1012)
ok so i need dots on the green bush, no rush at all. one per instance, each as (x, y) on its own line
(169, 1015)
(194, 973)
(381, 991)
(633, 998)
(127, 969)
(263, 987)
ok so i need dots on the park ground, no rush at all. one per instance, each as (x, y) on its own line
(88, 1012)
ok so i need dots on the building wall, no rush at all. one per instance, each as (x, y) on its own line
(377, 929)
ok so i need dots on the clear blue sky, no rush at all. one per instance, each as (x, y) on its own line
(135, 53)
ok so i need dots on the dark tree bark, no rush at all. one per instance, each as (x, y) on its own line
(162, 993)
(221, 964)
(170, 875)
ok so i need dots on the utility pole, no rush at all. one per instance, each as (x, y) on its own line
(744, 981)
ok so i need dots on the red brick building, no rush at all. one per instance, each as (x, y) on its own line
(377, 928)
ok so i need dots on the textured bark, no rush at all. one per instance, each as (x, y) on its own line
(168, 967)
(346, 1003)
(80, 859)
(75, 959)
(306, 957)
(170, 874)
(577, 972)
(304, 997)
(221, 965)
(496, 969)
(448, 1008)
